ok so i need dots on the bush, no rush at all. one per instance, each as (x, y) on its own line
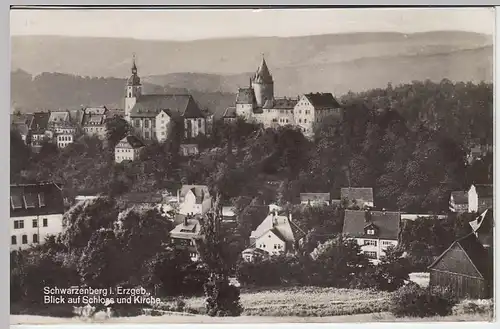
(223, 299)
(414, 301)
(481, 306)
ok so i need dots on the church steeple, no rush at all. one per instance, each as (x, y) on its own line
(133, 90)
(134, 67)
(134, 79)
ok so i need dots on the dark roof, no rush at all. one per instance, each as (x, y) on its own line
(285, 103)
(357, 193)
(40, 122)
(201, 192)
(173, 104)
(130, 141)
(263, 75)
(322, 100)
(460, 197)
(483, 227)
(230, 112)
(36, 199)
(245, 96)
(484, 190)
(477, 254)
(387, 223)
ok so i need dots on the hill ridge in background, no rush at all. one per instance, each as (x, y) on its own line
(213, 69)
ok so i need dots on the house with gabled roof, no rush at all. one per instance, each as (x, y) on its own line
(194, 199)
(128, 149)
(187, 234)
(277, 234)
(480, 197)
(39, 130)
(373, 231)
(357, 196)
(313, 108)
(36, 212)
(465, 268)
(459, 201)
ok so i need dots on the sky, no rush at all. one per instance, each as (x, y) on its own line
(206, 24)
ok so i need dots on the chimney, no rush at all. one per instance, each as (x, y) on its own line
(368, 216)
(186, 220)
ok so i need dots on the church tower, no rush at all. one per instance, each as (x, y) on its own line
(263, 84)
(133, 90)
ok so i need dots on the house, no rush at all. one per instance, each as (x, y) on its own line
(150, 115)
(480, 197)
(254, 254)
(459, 201)
(128, 149)
(155, 199)
(313, 108)
(357, 196)
(374, 231)
(466, 268)
(186, 235)
(276, 235)
(194, 199)
(62, 128)
(188, 149)
(36, 211)
(21, 123)
(229, 115)
(315, 199)
(228, 214)
(39, 130)
(94, 121)
(483, 227)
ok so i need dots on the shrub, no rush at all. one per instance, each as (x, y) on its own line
(414, 301)
(481, 306)
(223, 299)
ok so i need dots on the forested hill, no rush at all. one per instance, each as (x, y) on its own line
(49, 91)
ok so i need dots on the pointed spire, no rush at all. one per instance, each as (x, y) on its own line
(263, 74)
(134, 66)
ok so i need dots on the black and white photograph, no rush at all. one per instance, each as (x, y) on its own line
(243, 165)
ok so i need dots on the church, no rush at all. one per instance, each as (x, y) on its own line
(257, 103)
(150, 115)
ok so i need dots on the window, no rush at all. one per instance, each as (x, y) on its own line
(300, 111)
(137, 123)
(35, 238)
(13, 239)
(370, 232)
(25, 239)
(45, 222)
(199, 123)
(387, 243)
(129, 94)
(305, 120)
(146, 123)
(371, 254)
(18, 224)
(35, 222)
(163, 133)
(146, 134)
(370, 243)
(300, 120)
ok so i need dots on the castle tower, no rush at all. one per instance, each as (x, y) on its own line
(263, 84)
(133, 90)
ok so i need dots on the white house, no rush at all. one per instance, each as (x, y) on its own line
(128, 149)
(185, 236)
(188, 149)
(36, 212)
(480, 197)
(275, 235)
(374, 231)
(194, 199)
(312, 108)
(94, 121)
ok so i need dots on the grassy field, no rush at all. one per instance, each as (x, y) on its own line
(305, 301)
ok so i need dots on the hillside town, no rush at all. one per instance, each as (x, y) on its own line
(280, 225)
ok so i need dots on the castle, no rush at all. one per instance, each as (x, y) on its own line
(257, 103)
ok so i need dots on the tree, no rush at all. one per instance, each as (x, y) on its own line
(222, 298)
(337, 261)
(116, 129)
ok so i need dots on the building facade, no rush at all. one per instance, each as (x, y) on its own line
(194, 200)
(185, 236)
(94, 121)
(480, 197)
(128, 149)
(36, 212)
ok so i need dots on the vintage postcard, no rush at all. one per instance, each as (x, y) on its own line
(248, 166)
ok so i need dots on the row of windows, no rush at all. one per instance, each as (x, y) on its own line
(92, 129)
(124, 158)
(19, 224)
(277, 246)
(305, 111)
(24, 239)
(370, 243)
(65, 138)
(124, 150)
(371, 254)
(300, 120)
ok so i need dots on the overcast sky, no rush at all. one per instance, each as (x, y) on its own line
(203, 24)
